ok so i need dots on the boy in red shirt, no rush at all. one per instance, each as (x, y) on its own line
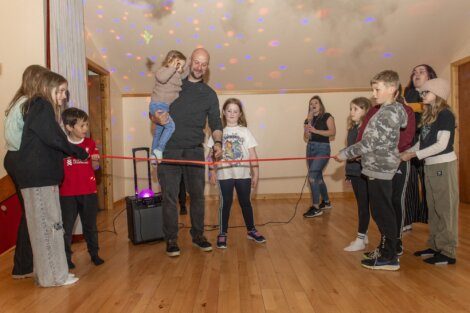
(78, 189)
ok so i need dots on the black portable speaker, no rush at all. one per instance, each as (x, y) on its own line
(144, 215)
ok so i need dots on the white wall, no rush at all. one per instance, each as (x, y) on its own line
(22, 43)
(276, 120)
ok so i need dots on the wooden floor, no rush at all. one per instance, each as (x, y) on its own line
(301, 268)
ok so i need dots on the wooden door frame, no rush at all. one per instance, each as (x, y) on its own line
(107, 164)
(454, 82)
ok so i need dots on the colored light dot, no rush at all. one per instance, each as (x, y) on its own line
(263, 11)
(142, 73)
(275, 75)
(248, 57)
(196, 36)
(283, 67)
(369, 19)
(230, 33)
(171, 32)
(233, 61)
(274, 43)
(329, 77)
(211, 27)
(260, 19)
(260, 30)
(218, 85)
(218, 46)
(219, 5)
(196, 22)
(387, 55)
(125, 77)
(304, 21)
(249, 78)
(321, 49)
(239, 36)
(230, 86)
(116, 20)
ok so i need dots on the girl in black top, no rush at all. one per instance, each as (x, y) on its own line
(358, 109)
(40, 171)
(319, 127)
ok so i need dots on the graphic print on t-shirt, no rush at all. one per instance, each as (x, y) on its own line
(233, 148)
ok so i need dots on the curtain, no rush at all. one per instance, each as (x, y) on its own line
(67, 48)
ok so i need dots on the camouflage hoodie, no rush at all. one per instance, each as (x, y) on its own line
(379, 145)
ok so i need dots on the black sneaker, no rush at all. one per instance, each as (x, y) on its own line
(256, 236)
(202, 243)
(399, 247)
(222, 241)
(325, 205)
(381, 264)
(426, 253)
(371, 255)
(183, 211)
(97, 260)
(172, 248)
(70, 264)
(313, 212)
(440, 259)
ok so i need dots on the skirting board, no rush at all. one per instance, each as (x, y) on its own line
(333, 195)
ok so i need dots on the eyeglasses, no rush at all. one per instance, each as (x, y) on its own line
(423, 93)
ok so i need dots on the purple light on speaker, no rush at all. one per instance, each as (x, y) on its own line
(145, 193)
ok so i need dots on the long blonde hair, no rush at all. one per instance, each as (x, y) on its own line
(362, 102)
(431, 111)
(48, 82)
(171, 55)
(29, 83)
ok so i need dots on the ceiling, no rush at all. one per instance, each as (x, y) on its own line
(276, 44)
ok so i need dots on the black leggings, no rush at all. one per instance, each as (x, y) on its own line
(243, 188)
(359, 184)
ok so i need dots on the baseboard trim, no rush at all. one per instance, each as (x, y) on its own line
(263, 196)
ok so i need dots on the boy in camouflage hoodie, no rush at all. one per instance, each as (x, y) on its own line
(380, 159)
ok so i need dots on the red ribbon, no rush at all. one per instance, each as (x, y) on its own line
(174, 161)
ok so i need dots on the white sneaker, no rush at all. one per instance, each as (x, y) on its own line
(356, 245)
(70, 280)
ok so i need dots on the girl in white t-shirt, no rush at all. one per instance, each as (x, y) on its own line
(238, 144)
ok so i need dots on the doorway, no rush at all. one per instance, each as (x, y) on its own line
(99, 111)
(461, 104)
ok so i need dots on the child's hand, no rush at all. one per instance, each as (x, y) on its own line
(254, 180)
(336, 158)
(212, 177)
(406, 156)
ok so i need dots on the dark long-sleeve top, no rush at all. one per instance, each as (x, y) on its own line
(407, 134)
(43, 145)
(196, 103)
